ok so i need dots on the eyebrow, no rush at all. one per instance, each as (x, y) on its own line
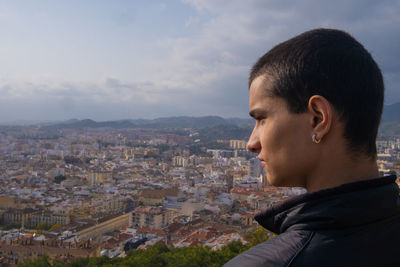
(257, 112)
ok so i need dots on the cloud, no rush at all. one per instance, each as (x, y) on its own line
(107, 100)
(204, 71)
(239, 32)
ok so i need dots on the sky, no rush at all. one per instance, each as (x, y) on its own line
(111, 60)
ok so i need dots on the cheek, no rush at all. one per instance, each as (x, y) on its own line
(270, 142)
(278, 139)
(296, 160)
(287, 154)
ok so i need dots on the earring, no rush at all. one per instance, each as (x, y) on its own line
(314, 139)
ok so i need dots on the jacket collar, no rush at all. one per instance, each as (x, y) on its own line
(346, 205)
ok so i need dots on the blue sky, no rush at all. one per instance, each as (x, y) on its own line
(108, 60)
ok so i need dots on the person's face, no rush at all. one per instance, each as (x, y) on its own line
(282, 139)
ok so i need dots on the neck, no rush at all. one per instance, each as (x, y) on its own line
(337, 169)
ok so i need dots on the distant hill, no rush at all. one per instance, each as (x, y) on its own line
(190, 122)
(391, 113)
(390, 124)
(226, 132)
(390, 128)
(87, 123)
(185, 122)
(236, 126)
(169, 122)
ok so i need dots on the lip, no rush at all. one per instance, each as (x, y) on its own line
(262, 162)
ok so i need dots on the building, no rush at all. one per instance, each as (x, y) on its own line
(49, 218)
(56, 172)
(237, 144)
(6, 202)
(152, 217)
(255, 169)
(18, 216)
(155, 197)
(99, 177)
(25, 248)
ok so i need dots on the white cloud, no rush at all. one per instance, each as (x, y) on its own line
(205, 71)
(241, 31)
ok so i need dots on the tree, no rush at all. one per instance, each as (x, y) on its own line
(41, 261)
(43, 226)
(80, 262)
(160, 255)
(58, 263)
(230, 251)
(55, 227)
(258, 235)
(11, 226)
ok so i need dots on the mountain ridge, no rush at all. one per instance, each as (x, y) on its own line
(181, 122)
(390, 120)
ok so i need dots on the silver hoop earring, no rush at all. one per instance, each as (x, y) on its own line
(314, 139)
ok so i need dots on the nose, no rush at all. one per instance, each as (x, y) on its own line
(253, 144)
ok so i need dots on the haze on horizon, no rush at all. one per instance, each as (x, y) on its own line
(110, 60)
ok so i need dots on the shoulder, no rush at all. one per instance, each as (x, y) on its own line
(279, 251)
(375, 244)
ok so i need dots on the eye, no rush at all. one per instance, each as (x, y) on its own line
(260, 119)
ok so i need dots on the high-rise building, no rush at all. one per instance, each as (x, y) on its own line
(237, 144)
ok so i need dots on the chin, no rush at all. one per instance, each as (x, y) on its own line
(274, 182)
(279, 182)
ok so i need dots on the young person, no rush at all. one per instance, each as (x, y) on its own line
(317, 101)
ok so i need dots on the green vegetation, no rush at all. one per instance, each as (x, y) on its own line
(258, 235)
(55, 227)
(38, 228)
(157, 256)
(161, 255)
(43, 226)
(11, 226)
(41, 261)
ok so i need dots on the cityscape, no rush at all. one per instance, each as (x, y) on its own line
(124, 127)
(71, 190)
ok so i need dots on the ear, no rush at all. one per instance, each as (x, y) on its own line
(322, 115)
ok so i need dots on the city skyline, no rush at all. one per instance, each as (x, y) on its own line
(128, 60)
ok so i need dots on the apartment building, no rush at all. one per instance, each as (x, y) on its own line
(152, 217)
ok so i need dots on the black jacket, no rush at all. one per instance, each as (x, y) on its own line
(356, 224)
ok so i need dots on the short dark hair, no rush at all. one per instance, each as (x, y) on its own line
(330, 63)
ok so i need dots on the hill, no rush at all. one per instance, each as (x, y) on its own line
(391, 113)
(239, 128)
(390, 124)
(183, 122)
